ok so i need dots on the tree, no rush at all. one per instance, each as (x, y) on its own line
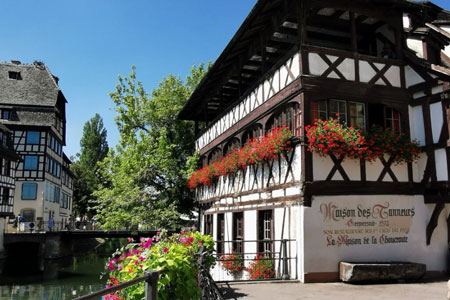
(146, 175)
(94, 148)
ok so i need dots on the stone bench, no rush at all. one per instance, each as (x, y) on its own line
(389, 271)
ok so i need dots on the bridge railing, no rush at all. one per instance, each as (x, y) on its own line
(151, 287)
(41, 226)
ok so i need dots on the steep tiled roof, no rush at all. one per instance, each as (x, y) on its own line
(36, 86)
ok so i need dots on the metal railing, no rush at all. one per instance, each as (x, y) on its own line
(210, 290)
(279, 255)
(151, 287)
(41, 226)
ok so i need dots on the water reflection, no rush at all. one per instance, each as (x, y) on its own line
(25, 277)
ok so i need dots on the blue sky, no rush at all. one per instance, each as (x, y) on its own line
(87, 43)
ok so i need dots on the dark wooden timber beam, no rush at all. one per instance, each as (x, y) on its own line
(332, 188)
(278, 15)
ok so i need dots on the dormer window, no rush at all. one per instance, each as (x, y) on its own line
(15, 75)
(5, 114)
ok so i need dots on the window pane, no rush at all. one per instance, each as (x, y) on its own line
(30, 162)
(318, 110)
(33, 137)
(5, 114)
(29, 191)
(357, 116)
(338, 107)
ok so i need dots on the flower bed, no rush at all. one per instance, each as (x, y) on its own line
(176, 255)
(258, 150)
(331, 137)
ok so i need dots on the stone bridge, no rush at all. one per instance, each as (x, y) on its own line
(53, 245)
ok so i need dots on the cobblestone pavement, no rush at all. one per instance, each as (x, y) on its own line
(436, 290)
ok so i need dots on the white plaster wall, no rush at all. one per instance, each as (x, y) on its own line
(301, 243)
(416, 124)
(441, 165)
(437, 89)
(366, 72)
(37, 204)
(316, 64)
(412, 78)
(250, 234)
(228, 231)
(419, 167)
(373, 170)
(352, 168)
(322, 166)
(393, 76)
(406, 21)
(347, 68)
(318, 257)
(400, 171)
(416, 46)
(437, 120)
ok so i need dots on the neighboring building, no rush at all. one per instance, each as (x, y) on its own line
(8, 160)
(293, 61)
(33, 107)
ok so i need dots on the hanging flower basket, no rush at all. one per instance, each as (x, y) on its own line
(258, 150)
(332, 137)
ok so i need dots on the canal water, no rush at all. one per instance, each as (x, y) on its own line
(25, 277)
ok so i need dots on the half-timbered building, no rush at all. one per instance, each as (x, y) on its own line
(33, 107)
(378, 62)
(8, 161)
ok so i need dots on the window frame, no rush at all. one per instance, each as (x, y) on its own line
(265, 248)
(32, 141)
(36, 162)
(220, 234)
(208, 224)
(35, 190)
(238, 239)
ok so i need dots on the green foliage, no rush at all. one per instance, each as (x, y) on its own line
(146, 176)
(94, 148)
(176, 255)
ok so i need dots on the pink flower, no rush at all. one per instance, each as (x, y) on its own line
(130, 240)
(111, 266)
(165, 250)
(136, 251)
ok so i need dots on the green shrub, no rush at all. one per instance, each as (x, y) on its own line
(176, 255)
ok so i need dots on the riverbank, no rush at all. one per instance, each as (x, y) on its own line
(24, 278)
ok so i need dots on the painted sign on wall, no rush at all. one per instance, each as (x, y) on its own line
(363, 224)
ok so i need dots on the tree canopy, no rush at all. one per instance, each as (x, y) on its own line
(94, 148)
(145, 177)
